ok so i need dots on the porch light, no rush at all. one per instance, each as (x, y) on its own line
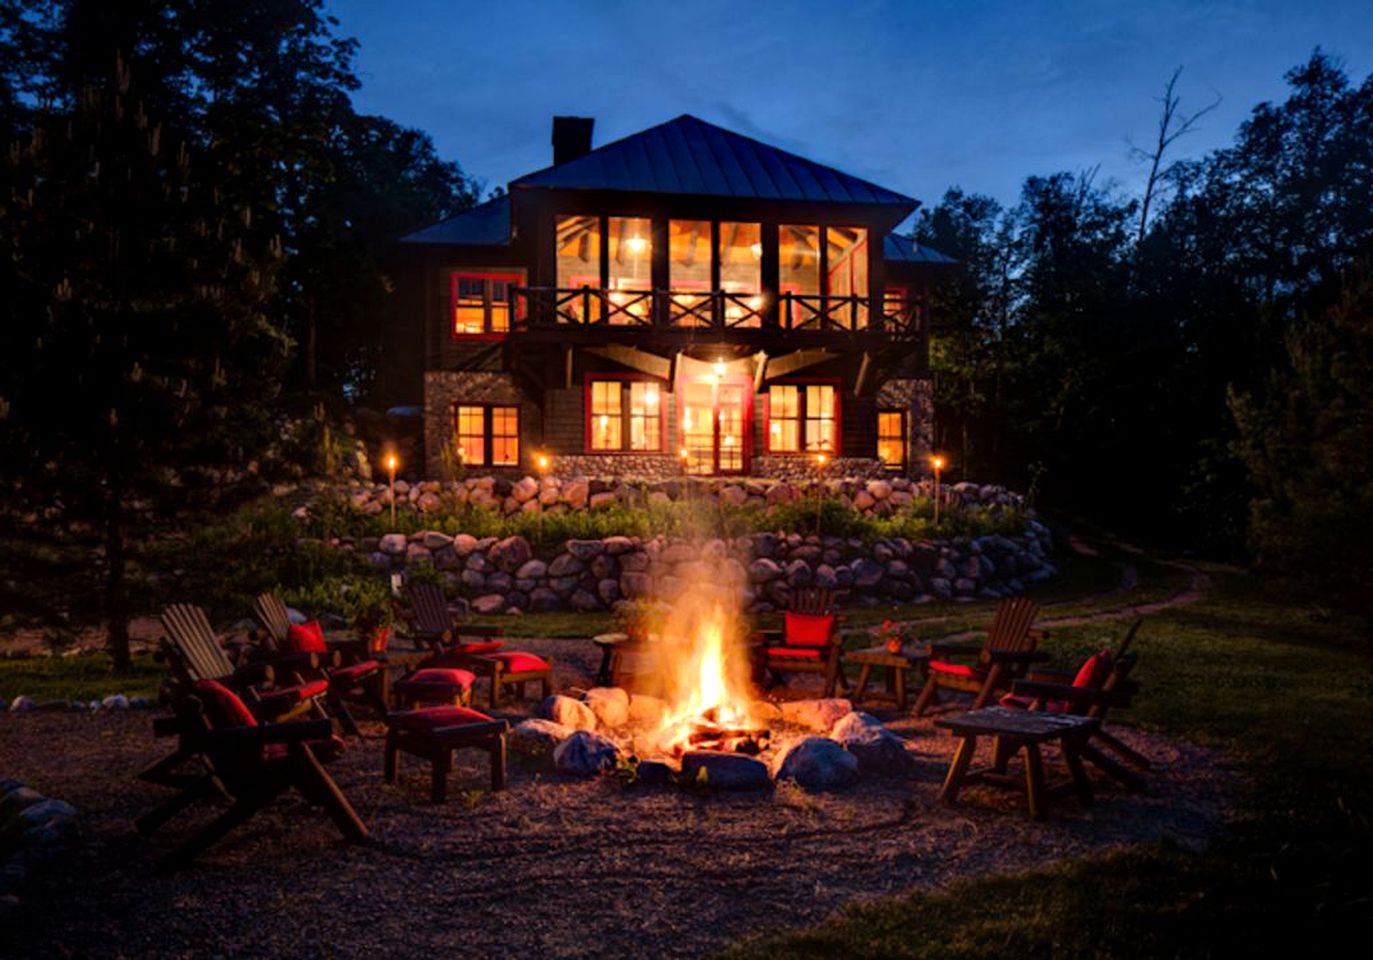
(391, 464)
(719, 368)
(651, 397)
(542, 462)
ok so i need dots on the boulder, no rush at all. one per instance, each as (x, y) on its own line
(536, 739)
(819, 715)
(16, 800)
(609, 704)
(511, 553)
(532, 570)
(565, 565)
(576, 492)
(799, 574)
(585, 549)
(584, 601)
(602, 501)
(40, 822)
(880, 489)
(724, 771)
(764, 711)
(880, 753)
(115, 701)
(636, 585)
(585, 754)
(525, 490)
(815, 763)
(617, 545)
(434, 540)
(568, 712)
(544, 600)
(393, 544)
(655, 773)
(733, 496)
(763, 570)
(862, 500)
(489, 603)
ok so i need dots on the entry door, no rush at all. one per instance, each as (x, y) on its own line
(715, 422)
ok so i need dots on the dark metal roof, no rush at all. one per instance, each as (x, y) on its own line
(485, 225)
(900, 249)
(688, 155)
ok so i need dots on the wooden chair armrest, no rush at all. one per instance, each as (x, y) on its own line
(1074, 696)
(938, 649)
(478, 729)
(1013, 656)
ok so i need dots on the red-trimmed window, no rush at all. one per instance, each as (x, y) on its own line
(487, 435)
(803, 418)
(624, 415)
(891, 439)
(481, 303)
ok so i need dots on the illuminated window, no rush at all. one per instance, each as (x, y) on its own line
(847, 262)
(579, 265)
(625, 415)
(741, 273)
(630, 280)
(891, 439)
(481, 303)
(803, 418)
(798, 271)
(488, 436)
(688, 267)
(896, 306)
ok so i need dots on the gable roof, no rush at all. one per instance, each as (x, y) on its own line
(485, 225)
(689, 156)
(897, 249)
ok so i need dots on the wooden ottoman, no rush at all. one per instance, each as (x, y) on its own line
(434, 733)
(449, 686)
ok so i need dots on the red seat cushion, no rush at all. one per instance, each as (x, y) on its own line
(479, 646)
(305, 638)
(441, 676)
(427, 718)
(1094, 671)
(223, 707)
(957, 669)
(355, 673)
(304, 691)
(521, 662)
(795, 653)
(809, 630)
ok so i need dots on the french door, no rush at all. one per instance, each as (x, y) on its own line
(716, 419)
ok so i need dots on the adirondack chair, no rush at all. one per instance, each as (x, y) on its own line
(1005, 656)
(251, 764)
(1102, 683)
(351, 675)
(193, 653)
(809, 641)
(471, 647)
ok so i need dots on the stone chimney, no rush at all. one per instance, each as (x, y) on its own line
(571, 138)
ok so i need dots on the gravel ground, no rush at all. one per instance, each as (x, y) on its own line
(550, 867)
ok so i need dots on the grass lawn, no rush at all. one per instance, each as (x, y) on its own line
(88, 677)
(1288, 692)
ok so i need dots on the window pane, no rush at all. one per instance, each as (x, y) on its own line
(698, 427)
(505, 436)
(891, 439)
(631, 269)
(848, 274)
(606, 413)
(784, 411)
(500, 306)
(688, 264)
(820, 418)
(469, 305)
(798, 270)
(645, 412)
(472, 434)
(741, 272)
(731, 453)
(579, 264)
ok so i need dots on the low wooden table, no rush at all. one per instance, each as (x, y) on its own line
(896, 665)
(1014, 729)
(436, 744)
(609, 644)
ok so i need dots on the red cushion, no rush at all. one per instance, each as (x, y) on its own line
(223, 707)
(305, 638)
(1094, 671)
(809, 630)
(479, 646)
(305, 691)
(440, 676)
(355, 673)
(427, 718)
(957, 669)
(795, 653)
(521, 662)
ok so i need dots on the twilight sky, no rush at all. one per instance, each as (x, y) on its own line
(917, 96)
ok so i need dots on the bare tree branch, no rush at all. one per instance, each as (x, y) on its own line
(1172, 124)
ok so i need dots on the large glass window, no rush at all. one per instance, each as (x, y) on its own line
(579, 265)
(891, 439)
(803, 418)
(688, 267)
(481, 303)
(741, 273)
(625, 415)
(798, 271)
(488, 436)
(631, 270)
(847, 259)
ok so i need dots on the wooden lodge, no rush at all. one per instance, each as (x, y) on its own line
(683, 300)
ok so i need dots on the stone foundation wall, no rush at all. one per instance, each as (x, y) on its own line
(444, 388)
(759, 572)
(917, 398)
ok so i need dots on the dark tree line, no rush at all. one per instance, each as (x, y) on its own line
(1104, 370)
(187, 200)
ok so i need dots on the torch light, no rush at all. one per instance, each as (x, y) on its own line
(821, 459)
(391, 464)
(936, 464)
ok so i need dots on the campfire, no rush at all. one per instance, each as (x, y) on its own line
(704, 672)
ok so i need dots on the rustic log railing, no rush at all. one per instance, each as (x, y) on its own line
(544, 307)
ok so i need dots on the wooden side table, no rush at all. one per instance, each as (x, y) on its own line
(1018, 730)
(896, 665)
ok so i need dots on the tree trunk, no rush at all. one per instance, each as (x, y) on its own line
(116, 586)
